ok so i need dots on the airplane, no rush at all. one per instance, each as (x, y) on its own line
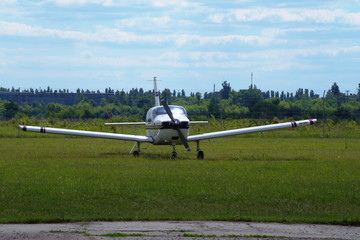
(167, 125)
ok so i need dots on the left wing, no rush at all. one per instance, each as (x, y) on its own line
(263, 128)
(127, 137)
(125, 123)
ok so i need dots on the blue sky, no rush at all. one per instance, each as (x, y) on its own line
(191, 45)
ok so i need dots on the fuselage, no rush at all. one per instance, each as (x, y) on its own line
(160, 127)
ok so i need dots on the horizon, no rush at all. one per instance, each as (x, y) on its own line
(187, 94)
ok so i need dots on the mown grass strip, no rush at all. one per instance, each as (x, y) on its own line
(190, 235)
(256, 179)
(123, 235)
(252, 236)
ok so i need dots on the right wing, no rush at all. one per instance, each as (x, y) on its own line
(239, 131)
(127, 137)
(199, 122)
(125, 123)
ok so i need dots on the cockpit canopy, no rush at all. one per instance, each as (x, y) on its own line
(176, 110)
(160, 110)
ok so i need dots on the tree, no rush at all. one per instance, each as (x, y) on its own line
(52, 109)
(11, 109)
(266, 109)
(312, 94)
(198, 97)
(166, 95)
(225, 91)
(214, 106)
(335, 89)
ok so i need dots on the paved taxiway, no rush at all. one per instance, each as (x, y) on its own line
(176, 230)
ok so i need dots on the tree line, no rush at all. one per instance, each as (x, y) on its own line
(225, 104)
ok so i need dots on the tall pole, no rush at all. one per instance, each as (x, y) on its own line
(251, 80)
(156, 93)
(323, 121)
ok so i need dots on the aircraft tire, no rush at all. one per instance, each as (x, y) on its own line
(200, 155)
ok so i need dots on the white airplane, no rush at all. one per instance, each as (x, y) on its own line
(167, 125)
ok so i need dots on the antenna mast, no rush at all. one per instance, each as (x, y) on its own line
(251, 86)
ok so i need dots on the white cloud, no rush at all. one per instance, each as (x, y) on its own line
(176, 3)
(7, 2)
(113, 35)
(81, 2)
(144, 22)
(287, 15)
(110, 3)
(217, 17)
(102, 35)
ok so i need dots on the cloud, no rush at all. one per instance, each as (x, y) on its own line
(320, 16)
(176, 3)
(111, 3)
(144, 22)
(8, 2)
(113, 35)
(102, 35)
(81, 2)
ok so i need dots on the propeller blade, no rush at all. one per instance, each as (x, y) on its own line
(183, 140)
(168, 111)
(181, 135)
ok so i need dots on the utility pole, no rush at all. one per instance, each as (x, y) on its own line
(323, 122)
(251, 86)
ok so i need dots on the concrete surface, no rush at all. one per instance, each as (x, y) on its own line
(176, 230)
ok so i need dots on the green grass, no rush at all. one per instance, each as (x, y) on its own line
(123, 235)
(59, 179)
(198, 235)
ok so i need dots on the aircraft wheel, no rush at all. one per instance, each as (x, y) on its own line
(136, 154)
(200, 155)
(174, 155)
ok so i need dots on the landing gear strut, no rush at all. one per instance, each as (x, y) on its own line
(174, 153)
(136, 153)
(200, 154)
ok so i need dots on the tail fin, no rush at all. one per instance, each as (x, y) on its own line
(157, 94)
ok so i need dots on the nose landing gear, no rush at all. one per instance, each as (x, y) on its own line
(174, 153)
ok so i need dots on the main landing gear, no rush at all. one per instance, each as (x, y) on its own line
(200, 154)
(136, 153)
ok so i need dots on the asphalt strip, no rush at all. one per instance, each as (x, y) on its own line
(177, 230)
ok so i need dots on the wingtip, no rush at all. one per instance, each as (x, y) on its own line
(23, 127)
(313, 121)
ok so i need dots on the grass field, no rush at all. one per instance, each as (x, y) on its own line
(256, 178)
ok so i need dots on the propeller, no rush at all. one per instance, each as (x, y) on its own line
(175, 123)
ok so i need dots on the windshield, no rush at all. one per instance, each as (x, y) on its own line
(174, 109)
